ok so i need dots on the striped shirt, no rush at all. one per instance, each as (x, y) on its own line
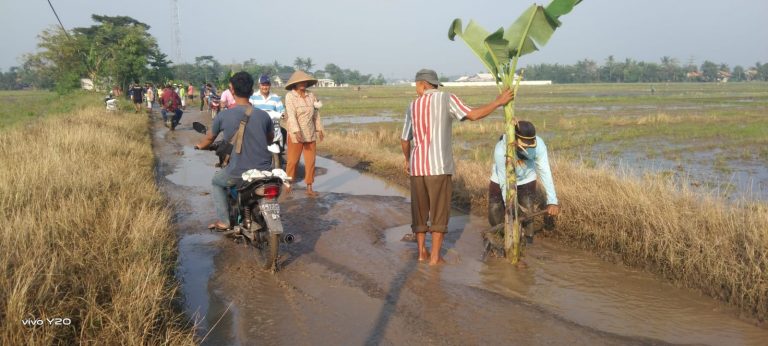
(271, 104)
(428, 123)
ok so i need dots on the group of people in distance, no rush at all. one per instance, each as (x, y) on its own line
(170, 97)
(426, 142)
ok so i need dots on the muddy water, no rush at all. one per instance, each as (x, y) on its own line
(349, 279)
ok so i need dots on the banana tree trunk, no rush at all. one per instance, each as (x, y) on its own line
(512, 245)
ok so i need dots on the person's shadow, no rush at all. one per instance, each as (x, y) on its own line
(456, 228)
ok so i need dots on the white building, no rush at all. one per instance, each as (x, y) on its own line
(326, 83)
(486, 79)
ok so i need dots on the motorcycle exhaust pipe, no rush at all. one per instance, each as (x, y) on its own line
(289, 238)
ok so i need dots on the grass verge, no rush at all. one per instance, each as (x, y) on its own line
(698, 241)
(86, 234)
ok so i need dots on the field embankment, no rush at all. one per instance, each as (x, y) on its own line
(700, 241)
(86, 235)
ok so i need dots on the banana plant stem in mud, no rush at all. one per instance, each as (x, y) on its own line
(512, 241)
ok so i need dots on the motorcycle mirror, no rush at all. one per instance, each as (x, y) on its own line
(199, 127)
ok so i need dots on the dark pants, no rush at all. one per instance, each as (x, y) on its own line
(527, 197)
(431, 201)
(176, 117)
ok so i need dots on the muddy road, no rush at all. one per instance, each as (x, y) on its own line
(349, 279)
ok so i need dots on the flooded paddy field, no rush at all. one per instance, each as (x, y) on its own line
(713, 135)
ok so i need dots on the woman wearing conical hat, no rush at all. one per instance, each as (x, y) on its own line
(304, 126)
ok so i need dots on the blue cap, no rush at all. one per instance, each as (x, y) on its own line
(264, 79)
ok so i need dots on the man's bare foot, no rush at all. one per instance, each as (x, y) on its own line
(423, 255)
(521, 264)
(439, 260)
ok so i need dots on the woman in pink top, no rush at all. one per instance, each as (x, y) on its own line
(227, 99)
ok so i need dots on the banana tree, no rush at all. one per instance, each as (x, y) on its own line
(499, 52)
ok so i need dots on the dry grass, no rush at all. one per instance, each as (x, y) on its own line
(85, 235)
(650, 222)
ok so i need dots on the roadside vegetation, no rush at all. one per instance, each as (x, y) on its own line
(693, 234)
(86, 235)
(21, 106)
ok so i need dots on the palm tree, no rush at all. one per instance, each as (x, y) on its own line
(308, 64)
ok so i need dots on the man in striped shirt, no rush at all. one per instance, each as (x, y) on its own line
(270, 103)
(429, 161)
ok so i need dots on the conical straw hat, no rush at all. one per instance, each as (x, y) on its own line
(300, 76)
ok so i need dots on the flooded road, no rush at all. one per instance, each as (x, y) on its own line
(349, 279)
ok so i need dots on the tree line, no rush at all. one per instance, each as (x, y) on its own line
(119, 50)
(632, 71)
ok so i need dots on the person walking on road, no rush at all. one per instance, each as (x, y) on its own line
(203, 96)
(150, 96)
(137, 93)
(426, 143)
(305, 128)
(227, 98)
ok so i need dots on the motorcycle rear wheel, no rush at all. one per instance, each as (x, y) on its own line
(270, 258)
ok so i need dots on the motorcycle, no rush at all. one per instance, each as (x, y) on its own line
(254, 209)
(111, 103)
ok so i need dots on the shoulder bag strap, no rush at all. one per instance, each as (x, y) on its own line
(238, 138)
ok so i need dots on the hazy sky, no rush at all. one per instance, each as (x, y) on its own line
(397, 37)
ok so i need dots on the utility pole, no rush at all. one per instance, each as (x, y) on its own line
(176, 31)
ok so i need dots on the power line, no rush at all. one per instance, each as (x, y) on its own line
(57, 18)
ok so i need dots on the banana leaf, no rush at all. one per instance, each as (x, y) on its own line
(536, 26)
(474, 36)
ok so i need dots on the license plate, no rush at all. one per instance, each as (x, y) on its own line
(272, 208)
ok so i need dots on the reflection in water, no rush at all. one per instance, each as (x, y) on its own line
(582, 288)
(340, 179)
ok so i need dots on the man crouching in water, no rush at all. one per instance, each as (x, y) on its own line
(532, 163)
(429, 162)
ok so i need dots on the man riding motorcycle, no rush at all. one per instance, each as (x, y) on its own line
(258, 134)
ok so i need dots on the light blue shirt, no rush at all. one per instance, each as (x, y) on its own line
(536, 165)
(271, 104)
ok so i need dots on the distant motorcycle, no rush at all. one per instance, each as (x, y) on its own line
(111, 103)
(254, 207)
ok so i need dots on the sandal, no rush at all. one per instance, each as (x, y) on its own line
(218, 227)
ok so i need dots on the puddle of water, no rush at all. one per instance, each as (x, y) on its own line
(745, 179)
(196, 253)
(195, 168)
(582, 288)
(340, 179)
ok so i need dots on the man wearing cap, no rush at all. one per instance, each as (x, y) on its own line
(532, 163)
(429, 160)
(270, 103)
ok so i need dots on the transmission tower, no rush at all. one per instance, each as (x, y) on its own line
(176, 31)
